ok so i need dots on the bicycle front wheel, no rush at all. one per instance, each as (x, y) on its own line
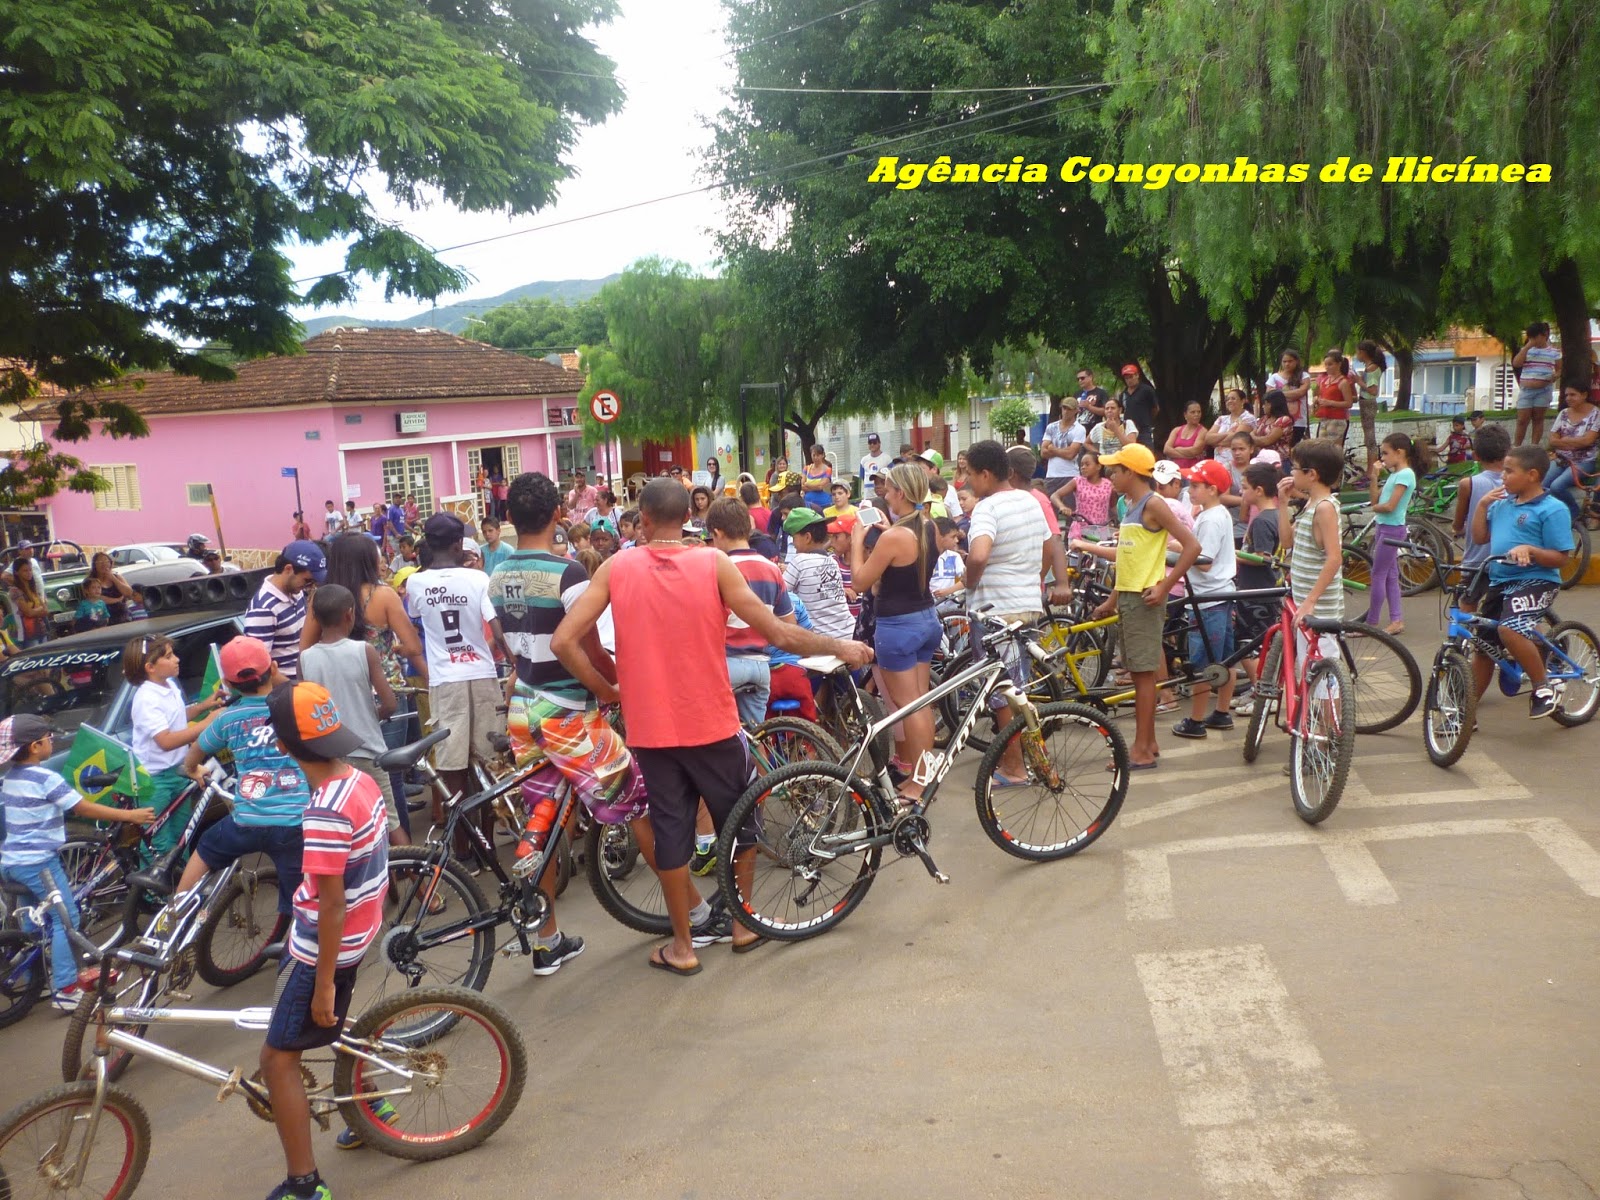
(1578, 697)
(804, 851)
(1419, 567)
(1450, 708)
(22, 972)
(41, 1139)
(467, 1073)
(1388, 684)
(1324, 744)
(779, 741)
(244, 922)
(1041, 686)
(1356, 570)
(1077, 776)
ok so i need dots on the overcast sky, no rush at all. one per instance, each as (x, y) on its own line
(671, 60)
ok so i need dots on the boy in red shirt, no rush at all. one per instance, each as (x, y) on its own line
(338, 909)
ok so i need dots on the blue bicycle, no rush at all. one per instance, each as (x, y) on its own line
(1449, 709)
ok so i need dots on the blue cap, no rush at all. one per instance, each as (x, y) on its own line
(308, 556)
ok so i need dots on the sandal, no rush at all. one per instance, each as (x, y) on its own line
(998, 781)
(746, 947)
(658, 960)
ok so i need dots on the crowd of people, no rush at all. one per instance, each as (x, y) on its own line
(692, 592)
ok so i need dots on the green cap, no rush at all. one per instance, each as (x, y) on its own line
(933, 458)
(802, 518)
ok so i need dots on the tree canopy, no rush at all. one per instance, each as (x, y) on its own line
(161, 156)
(541, 325)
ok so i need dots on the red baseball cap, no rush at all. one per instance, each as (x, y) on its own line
(1130, 369)
(1209, 470)
(842, 524)
(245, 660)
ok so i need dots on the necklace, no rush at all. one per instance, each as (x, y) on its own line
(664, 542)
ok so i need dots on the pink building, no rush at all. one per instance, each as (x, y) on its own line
(363, 415)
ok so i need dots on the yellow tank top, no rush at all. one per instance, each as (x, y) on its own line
(1141, 552)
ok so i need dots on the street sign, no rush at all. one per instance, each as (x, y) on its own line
(605, 407)
(290, 472)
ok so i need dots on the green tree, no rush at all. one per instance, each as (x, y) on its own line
(160, 156)
(1304, 81)
(541, 325)
(1010, 417)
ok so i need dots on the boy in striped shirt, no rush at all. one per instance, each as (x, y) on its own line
(337, 911)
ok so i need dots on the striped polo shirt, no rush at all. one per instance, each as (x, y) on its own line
(766, 581)
(35, 801)
(347, 834)
(277, 618)
(531, 591)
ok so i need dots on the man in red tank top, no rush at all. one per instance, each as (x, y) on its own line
(670, 604)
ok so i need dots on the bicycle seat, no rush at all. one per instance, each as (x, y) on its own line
(824, 664)
(1323, 624)
(403, 758)
(785, 706)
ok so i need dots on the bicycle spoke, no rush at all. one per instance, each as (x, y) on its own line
(809, 856)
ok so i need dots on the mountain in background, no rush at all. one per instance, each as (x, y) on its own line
(452, 318)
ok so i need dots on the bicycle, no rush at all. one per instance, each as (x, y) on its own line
(1423, 548)
(181, 940)
(821, 827)
(1449, 710)
(1317, 708)
(448, 1063)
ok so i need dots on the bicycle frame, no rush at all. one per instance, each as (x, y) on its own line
(1292, 708)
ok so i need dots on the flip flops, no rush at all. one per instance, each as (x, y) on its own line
(658, 960)
(999, 781)
(746, 947)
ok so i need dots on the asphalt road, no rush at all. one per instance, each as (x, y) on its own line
(1213, 1001)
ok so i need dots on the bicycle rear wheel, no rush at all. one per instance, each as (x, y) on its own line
(466, 1081)
(1077, 776)
(785, 740)
(1388, 683)
(1577, 563)
(810, 870)
(1356, 571)
(1319, 756)
(623, 882)
(1094, 643)
(1577, 699)
(22, 975)
(93, 858)
(1450, 708)
(1266, 700)
(41, 1139)
(244, 921)
(1419, 567)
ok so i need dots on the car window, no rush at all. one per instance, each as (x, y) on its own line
(128, 556)
(71, 688)
(164, 554)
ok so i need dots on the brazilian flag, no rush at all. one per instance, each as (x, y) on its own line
(94, 749)
(212, 678)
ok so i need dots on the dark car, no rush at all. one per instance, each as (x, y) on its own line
(78, 680)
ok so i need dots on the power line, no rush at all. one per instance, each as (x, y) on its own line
(803, 25)
(895, 91)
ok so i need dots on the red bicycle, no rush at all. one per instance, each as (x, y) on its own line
(1310, 694)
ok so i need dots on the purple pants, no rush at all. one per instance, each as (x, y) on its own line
(1386, 573)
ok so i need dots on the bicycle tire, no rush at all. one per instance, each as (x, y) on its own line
(77, 1048)
(562, 857)
(436, 1057)
(22, 972)
(1085, 760)
(1420, 568)
(846, 728)
(613, 860)
(23, 1157)
(1388, 682)
(1577, 564)
(1045, 688)
(836, 807)
(1567, 635)
(785, 739)
(84, 858)
(1449, 709)
(1356, 571)
(464, 962)
(1266, 700)
(247, 888)
(1094, 642)
(1333, 748)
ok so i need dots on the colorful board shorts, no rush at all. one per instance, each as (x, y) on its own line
(580, 746)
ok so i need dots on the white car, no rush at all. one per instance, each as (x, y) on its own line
(143, 555)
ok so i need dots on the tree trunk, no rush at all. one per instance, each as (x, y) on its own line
(1565, 285)
(1188, 349)
(1403, 364)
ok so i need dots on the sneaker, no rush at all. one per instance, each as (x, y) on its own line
(1219, 720)
(1247, 709)
(1243, 698)
(66, 999)
(286, 1192)
(1543, 702)
(1189, 728)
(547, 960)
(718, 927)
(349, 1139)
(704, 861)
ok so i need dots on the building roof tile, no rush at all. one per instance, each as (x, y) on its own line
(352, 365)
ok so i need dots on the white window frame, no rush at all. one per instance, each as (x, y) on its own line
(123, 495)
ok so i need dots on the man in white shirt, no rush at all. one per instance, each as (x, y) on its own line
(1061, 446)
(333, 520)
(873, 464)
(458, 623)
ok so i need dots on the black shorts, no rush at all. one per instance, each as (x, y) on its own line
(1518, 606)
(678, 778)
(1252, 619)
(292, 1027)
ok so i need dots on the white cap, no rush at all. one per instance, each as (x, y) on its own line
(1166, 471)
(470, 546)
(1268, 456)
